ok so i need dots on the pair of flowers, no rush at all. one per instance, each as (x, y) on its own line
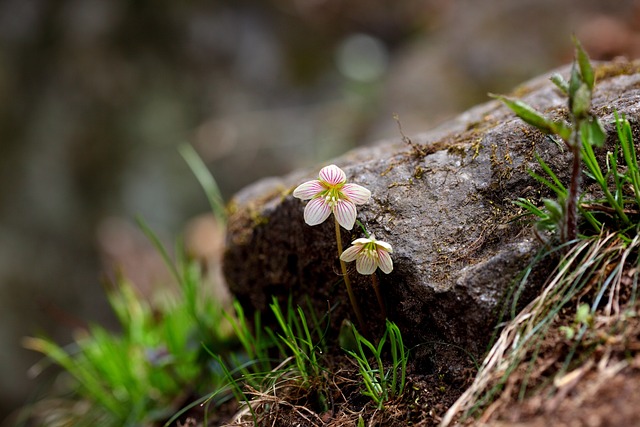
(332, 194)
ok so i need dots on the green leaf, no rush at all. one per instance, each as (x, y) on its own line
(586, 70)
(583, 314)
(554, 208)
(529, 206)
(557, 186)
(575, 80)
(581, 101)
(560, 82)
(595, 170)
(625, 137)
(568, 331)
(534, 118)
(528, 114)
(592, 132)
(559, 128)
(346, 338)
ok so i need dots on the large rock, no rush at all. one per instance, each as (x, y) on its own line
(445, 204)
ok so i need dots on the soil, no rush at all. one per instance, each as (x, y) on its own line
(429, 392)
(593, 394)
(599, 400)
(600, 387)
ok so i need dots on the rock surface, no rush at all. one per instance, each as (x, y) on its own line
(442, 199)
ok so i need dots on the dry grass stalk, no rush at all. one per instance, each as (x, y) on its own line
(593, 262)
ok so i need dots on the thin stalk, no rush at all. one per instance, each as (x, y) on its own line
(571, 225)
(376, 287)
(347, 282)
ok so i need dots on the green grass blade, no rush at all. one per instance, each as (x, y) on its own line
(206, 180)
(80, 372)
(625, 137)
(157, 244)
(557, 186)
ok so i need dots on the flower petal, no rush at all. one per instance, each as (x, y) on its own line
(384, 261)
(332, 175)
(387, 247)
(356, 193)
(317, 211)
(365, 264)
(361, 241)
(351, 253)
(345, 212)
(308, 190)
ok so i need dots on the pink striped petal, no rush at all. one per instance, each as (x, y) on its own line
(345, 212)
(351, 254)
(384, 261)
(308, 190)
(387, 247)
(356, 193)
(365, 264)
(317, 211)
(332, 175)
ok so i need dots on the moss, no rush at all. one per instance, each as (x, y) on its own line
(475, 147)
(459, 150)
(457, 144)
(257, 219)
(243, 218)
(401, 184)
(522, 91)
(608, 70)
(500, 165)
(231, 208)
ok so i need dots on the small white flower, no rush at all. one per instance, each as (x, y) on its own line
(330, 193)
(369, 254)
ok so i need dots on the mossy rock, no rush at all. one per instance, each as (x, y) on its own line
(442, 199)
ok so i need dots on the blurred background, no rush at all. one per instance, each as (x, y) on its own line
(96, 96)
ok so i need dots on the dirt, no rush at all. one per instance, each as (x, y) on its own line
(599, 400)
(601, 389)
(336, 399)
(594, 395)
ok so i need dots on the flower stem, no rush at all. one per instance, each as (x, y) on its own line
(347, 282)
(376, 287)
(571, 224)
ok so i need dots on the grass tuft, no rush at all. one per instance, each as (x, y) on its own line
(381, 385)
(592, 293)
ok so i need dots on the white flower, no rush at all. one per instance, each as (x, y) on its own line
(369, 254)
(330, 193)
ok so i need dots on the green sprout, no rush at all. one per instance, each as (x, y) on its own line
(589, 274)
(583, 317)
(299, 344)
(297, 335)
(381, 385)
(584, 130)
